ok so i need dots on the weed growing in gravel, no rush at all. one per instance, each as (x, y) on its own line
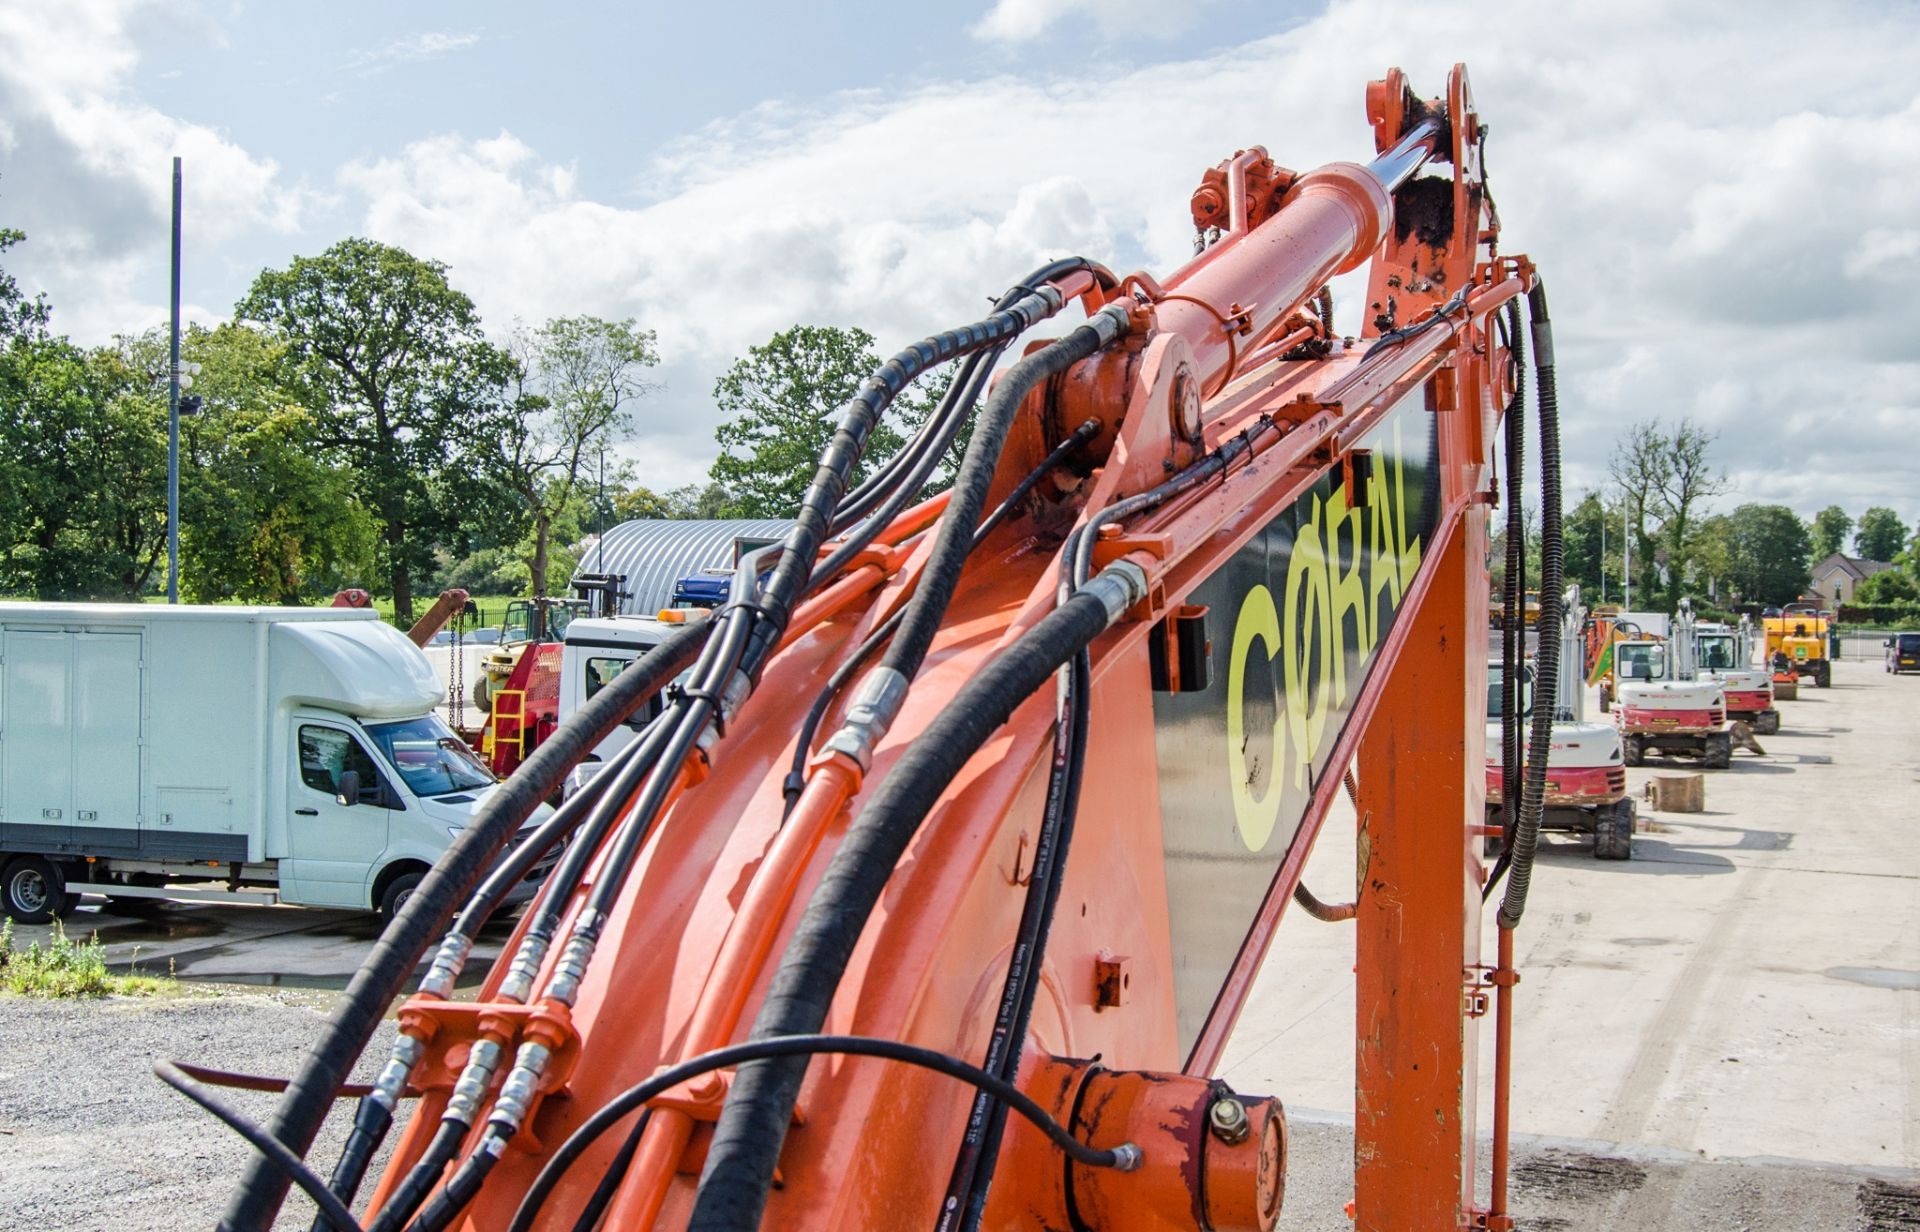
(68, 968)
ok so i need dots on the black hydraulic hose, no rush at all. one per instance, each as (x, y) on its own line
(1123, 1158)
(686, 719)
(420, 1179)
(815, 520)
(616, 1172)
(928, 607)
(333, 1212)
(753, 1123)
(979, 1153)
(796, 779)
(634, 763)
(1547, 660)
(310, 1092)
(1513, 608)
(907, 472)
(867, 494)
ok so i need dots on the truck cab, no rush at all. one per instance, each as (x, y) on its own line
(596, 651)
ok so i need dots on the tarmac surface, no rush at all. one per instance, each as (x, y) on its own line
(1740, 1000)
(1723, 1033)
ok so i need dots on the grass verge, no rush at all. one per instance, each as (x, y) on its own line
(68, 968)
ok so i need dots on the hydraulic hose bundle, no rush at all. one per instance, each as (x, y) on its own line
(616, 811)
(1526, 836)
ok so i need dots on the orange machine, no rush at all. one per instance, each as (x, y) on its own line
(931, 898)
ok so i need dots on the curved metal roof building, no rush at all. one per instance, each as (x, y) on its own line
(654, 553)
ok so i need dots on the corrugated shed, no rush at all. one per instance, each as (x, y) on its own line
(655, 553)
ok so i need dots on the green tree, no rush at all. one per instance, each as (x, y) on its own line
(263, 517)
(1767, 553)
(1830, 529)
(21, 316)
(1881, 534)
(1592, 533)
(575, 379)
(85, 454)
(403, 387)
(781, 401)
(1887, 586)
(1666, 474)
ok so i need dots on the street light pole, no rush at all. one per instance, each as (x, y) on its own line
(173, 409)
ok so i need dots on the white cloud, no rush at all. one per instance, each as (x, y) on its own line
(1717, 194)
(1720, 213)
(410, 49)
(1020, 21)
(88, 169)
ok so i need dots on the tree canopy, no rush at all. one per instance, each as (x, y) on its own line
(402, 383)
(781, 401)
(1881, 534)
(1830, 529)
(1767, 553)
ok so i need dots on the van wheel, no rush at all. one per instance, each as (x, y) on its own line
(34, 891)
(398, 892)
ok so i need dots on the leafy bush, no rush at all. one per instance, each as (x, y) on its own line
(66, 968)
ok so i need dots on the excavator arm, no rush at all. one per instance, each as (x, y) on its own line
(934, 894)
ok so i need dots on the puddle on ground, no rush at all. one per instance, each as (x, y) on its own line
(158, 928)
(1878, 977)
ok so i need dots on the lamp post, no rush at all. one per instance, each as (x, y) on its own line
(179, 376)
(173, 408)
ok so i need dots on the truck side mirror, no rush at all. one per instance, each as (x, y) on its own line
(346, 788)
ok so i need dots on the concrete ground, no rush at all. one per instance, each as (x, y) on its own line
(1746, 989)
(1723, 1033)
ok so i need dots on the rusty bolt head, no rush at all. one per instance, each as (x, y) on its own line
(1228, 1120)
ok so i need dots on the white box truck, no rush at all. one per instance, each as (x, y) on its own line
(260, 754)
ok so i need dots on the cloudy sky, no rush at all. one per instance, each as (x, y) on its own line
(1723, 196)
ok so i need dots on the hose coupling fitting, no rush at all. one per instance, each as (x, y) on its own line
(1110, 322)
(392, 1082)
(475, 1078)
(447, 964)
(1118, 587)
(574, 959)
(516, 1093)
(1126, 1157)
(876, 703)
(518, 985)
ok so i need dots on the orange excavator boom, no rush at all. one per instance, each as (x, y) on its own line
(935, 892)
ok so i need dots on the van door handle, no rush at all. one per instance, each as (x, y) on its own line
(308, 812)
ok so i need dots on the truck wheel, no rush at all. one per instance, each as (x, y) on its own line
(398, 892)
(1613, 832)
(35, 891)
(1634, 751)
(1767, 723)
(1719, 752)
(1823, 675)
(483, 695)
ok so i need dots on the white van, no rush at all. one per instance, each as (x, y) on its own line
(256, 754)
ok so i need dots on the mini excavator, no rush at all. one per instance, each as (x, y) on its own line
(932, 895)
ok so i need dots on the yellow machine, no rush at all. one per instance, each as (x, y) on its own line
(1797, 647)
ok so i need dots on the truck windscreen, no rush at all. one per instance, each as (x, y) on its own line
(432, 760)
